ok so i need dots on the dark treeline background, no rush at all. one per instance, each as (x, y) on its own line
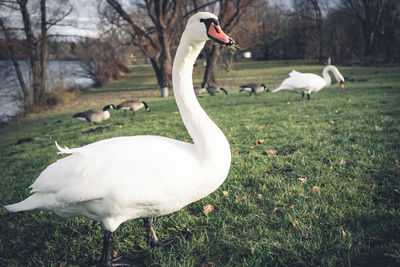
(347, 31)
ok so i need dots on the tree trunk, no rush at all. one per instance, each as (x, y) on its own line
(31, 43)
(43, 50)
(210, 73)
(28, 96)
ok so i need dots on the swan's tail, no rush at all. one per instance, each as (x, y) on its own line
(35, 201)
(65, 150)
(278, 89)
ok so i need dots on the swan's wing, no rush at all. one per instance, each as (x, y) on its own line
(297, 81)
(113, 166)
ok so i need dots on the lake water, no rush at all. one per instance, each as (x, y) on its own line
(69, 74)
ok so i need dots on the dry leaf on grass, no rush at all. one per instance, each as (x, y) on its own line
(270, 152)
(344, 233)
(260, 142)
(208, 209)
(379, 129)
(63, 264)
(252, 147)
(316, 188)
(302, 179)
(295, 224)
(225, 193)
(229, 134)
(207, 264)
(275, 209)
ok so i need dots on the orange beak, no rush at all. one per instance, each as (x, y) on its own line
(215, 33)
(341, 84)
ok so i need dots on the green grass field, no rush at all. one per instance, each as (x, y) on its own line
(344, 145)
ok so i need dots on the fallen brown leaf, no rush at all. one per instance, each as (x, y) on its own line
(379, 129)
(344, 233)
(270, 152)
(208, 264)
(225, 193)
(63, 264)
(260, 142)
(303, 180)
(295, 224)
(275, 209)
(252, 147)
(316, 188)
(208, 209)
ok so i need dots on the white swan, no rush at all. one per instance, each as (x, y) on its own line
(164, 177)
(309, 82)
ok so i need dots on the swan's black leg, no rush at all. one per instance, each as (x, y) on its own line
(152, 236)
(107, 248)
(308, 96)
(302, 95)
(106, 255)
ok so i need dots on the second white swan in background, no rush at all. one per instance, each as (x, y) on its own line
(308, 82)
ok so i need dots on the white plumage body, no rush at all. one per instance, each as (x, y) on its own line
(124, 178)
(308, 82)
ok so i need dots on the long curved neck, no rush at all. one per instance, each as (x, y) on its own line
(326, 75)
(208, 138)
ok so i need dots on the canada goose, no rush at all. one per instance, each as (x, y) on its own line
(309, 82)
(253, 88)
(212, 90)
(133, 105)
(95, 115)
(199, 90)
(147, 176)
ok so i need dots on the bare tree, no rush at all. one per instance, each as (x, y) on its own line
(36, 48)
(318, 21)
(155, 36)
(370, 14)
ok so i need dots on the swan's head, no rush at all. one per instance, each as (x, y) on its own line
(204, 26)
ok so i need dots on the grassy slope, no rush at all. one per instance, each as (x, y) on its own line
(269, 217)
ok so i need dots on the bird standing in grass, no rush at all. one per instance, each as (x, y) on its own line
(133, 105)
(213, 90)
(307, 83)
(124, 178)
(253, 88)
(95, 115)
(199, 90)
